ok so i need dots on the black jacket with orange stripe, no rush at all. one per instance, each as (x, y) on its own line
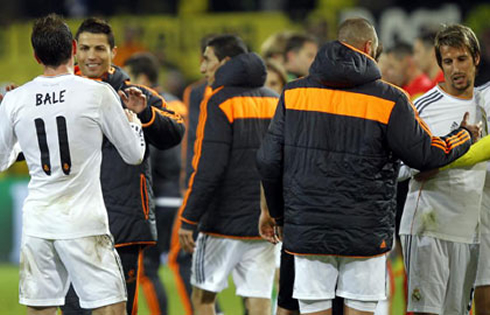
(193, 96)
(224, 191)
(126, 188)
(330, 159)
(166, 164)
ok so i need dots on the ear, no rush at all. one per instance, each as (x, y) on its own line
(37, 59)
(114, 52)
(368, 48)
(477, 60)
(74, 47)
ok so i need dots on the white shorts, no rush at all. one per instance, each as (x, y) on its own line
(441, 274)
(252, 264)
(362, 279)
(483, 270)
(90, 263)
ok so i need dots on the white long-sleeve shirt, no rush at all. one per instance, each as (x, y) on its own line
(59, 123)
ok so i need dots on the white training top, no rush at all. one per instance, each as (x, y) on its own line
(446, 206)
(59, 123)
(484, 94)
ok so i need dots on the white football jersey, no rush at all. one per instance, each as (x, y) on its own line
(59, 123)
(446, 206)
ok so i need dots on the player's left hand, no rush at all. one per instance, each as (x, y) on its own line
(134, 99)
(266, 228)
(186, 240)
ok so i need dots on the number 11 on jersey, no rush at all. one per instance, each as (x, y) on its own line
(62, 141)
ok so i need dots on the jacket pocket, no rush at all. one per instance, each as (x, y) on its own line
(144, 196)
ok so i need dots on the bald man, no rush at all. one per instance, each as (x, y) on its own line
(329, 178)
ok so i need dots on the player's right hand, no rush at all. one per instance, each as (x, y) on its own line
(186, 240)
(475, 130)
(132, 117)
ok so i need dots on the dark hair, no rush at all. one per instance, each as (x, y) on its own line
(227, 46)
(297, 41)
(427, 37)
(400, 50)
(52, 40)
(459, 36)
(144, 63)
(277, 68)
(97, 26)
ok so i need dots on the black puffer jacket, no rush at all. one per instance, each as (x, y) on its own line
(126, 188)
(223, 195)
(330, 159)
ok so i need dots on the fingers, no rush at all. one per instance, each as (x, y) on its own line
(466, 117)
(132, 117)
(123, 96)
(187, 241)
(11, 87)
(267, 233)
(132, 91)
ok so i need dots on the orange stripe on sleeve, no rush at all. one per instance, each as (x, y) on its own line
(175, 116)
(461, 137)
(203, 115)
(339, 102)
(152, 118)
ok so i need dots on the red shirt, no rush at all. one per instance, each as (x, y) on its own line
(419, 86)
(439, 78)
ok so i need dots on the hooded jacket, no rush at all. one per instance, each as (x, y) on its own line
(224, 191)
(126, 188)
(330, 159)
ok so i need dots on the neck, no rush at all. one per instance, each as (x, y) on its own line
(464, 94)
(66, 68)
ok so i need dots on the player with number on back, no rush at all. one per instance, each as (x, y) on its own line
(59, 120)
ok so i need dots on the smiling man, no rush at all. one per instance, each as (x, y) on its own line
(440, 223)
(126, 189)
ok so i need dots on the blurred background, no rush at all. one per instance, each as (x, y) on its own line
(172, 30)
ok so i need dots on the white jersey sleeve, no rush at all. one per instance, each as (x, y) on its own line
(7, 139)
(127, 137)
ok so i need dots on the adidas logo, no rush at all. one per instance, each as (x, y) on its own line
(454, 126)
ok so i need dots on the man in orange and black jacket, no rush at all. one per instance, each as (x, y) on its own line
(126, 188)
(329, 166)
(224, 192)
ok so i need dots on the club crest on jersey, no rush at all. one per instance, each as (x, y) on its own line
(416, 295)
(50, 98)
